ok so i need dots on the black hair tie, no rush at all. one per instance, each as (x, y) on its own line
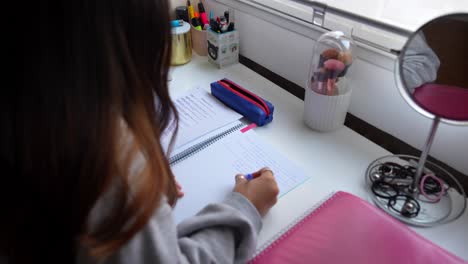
(384, 190)
(410, 207)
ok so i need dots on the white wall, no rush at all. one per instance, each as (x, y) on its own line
(286, 49)
(175, 3)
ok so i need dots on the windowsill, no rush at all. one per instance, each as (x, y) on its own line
(303, 15)
(376, 54)
(397, 13)
(402, 15)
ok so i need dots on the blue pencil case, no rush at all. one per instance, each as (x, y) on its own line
(246, 103)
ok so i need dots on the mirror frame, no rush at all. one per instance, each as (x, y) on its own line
(404, 92)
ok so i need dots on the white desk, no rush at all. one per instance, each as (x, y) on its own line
(334, 161)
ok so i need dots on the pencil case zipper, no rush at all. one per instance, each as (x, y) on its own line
(254, 99)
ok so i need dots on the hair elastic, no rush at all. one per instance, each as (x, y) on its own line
(425, 187)
(384, 190)
(405, 211)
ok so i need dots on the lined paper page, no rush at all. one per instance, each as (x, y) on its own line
(208, 176)
(199, 113)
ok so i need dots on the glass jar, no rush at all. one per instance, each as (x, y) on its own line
(331, 60)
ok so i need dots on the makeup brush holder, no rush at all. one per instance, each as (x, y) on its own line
(325, 113)
(328, 93)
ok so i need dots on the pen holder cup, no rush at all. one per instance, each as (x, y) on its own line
(199, 43)
(181, 45)
(325, 113)
(223, 48)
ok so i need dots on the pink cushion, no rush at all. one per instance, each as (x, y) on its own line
(446, 101)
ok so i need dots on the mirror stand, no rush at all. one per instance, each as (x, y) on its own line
(423, 158)
(411, 203)
(432, 79)
(415, 190)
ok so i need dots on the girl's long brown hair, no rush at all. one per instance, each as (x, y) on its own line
(94, 96)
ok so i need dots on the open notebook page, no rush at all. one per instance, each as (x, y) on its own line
(208, 176)
(199, 113)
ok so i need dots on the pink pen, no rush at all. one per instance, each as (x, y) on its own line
(203, 18)
(251, 176)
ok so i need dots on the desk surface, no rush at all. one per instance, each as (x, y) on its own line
(334, 161)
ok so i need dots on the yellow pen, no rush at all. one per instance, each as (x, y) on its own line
(191, 12)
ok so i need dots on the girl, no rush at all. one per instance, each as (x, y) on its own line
(85, 177)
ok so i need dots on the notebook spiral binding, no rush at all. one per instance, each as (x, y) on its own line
(202, 145)
(291, 227)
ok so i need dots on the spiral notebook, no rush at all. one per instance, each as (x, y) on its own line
(199, 114)
(346, 229)
(206, 170)
(212, 146)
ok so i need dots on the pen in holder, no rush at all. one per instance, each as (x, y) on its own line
(328, 93)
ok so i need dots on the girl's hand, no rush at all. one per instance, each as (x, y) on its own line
(262, 190)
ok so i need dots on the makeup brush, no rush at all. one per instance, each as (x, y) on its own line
(320, 77)
(334, 68)
(347, 60)
(327, 55)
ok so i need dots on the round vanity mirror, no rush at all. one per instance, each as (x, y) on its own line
(432, 76)
(433, 69)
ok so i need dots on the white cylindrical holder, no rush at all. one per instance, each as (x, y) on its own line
(328, 93)
(325, 113)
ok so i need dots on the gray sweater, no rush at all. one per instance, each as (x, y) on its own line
(420, 64)
(220, 233)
